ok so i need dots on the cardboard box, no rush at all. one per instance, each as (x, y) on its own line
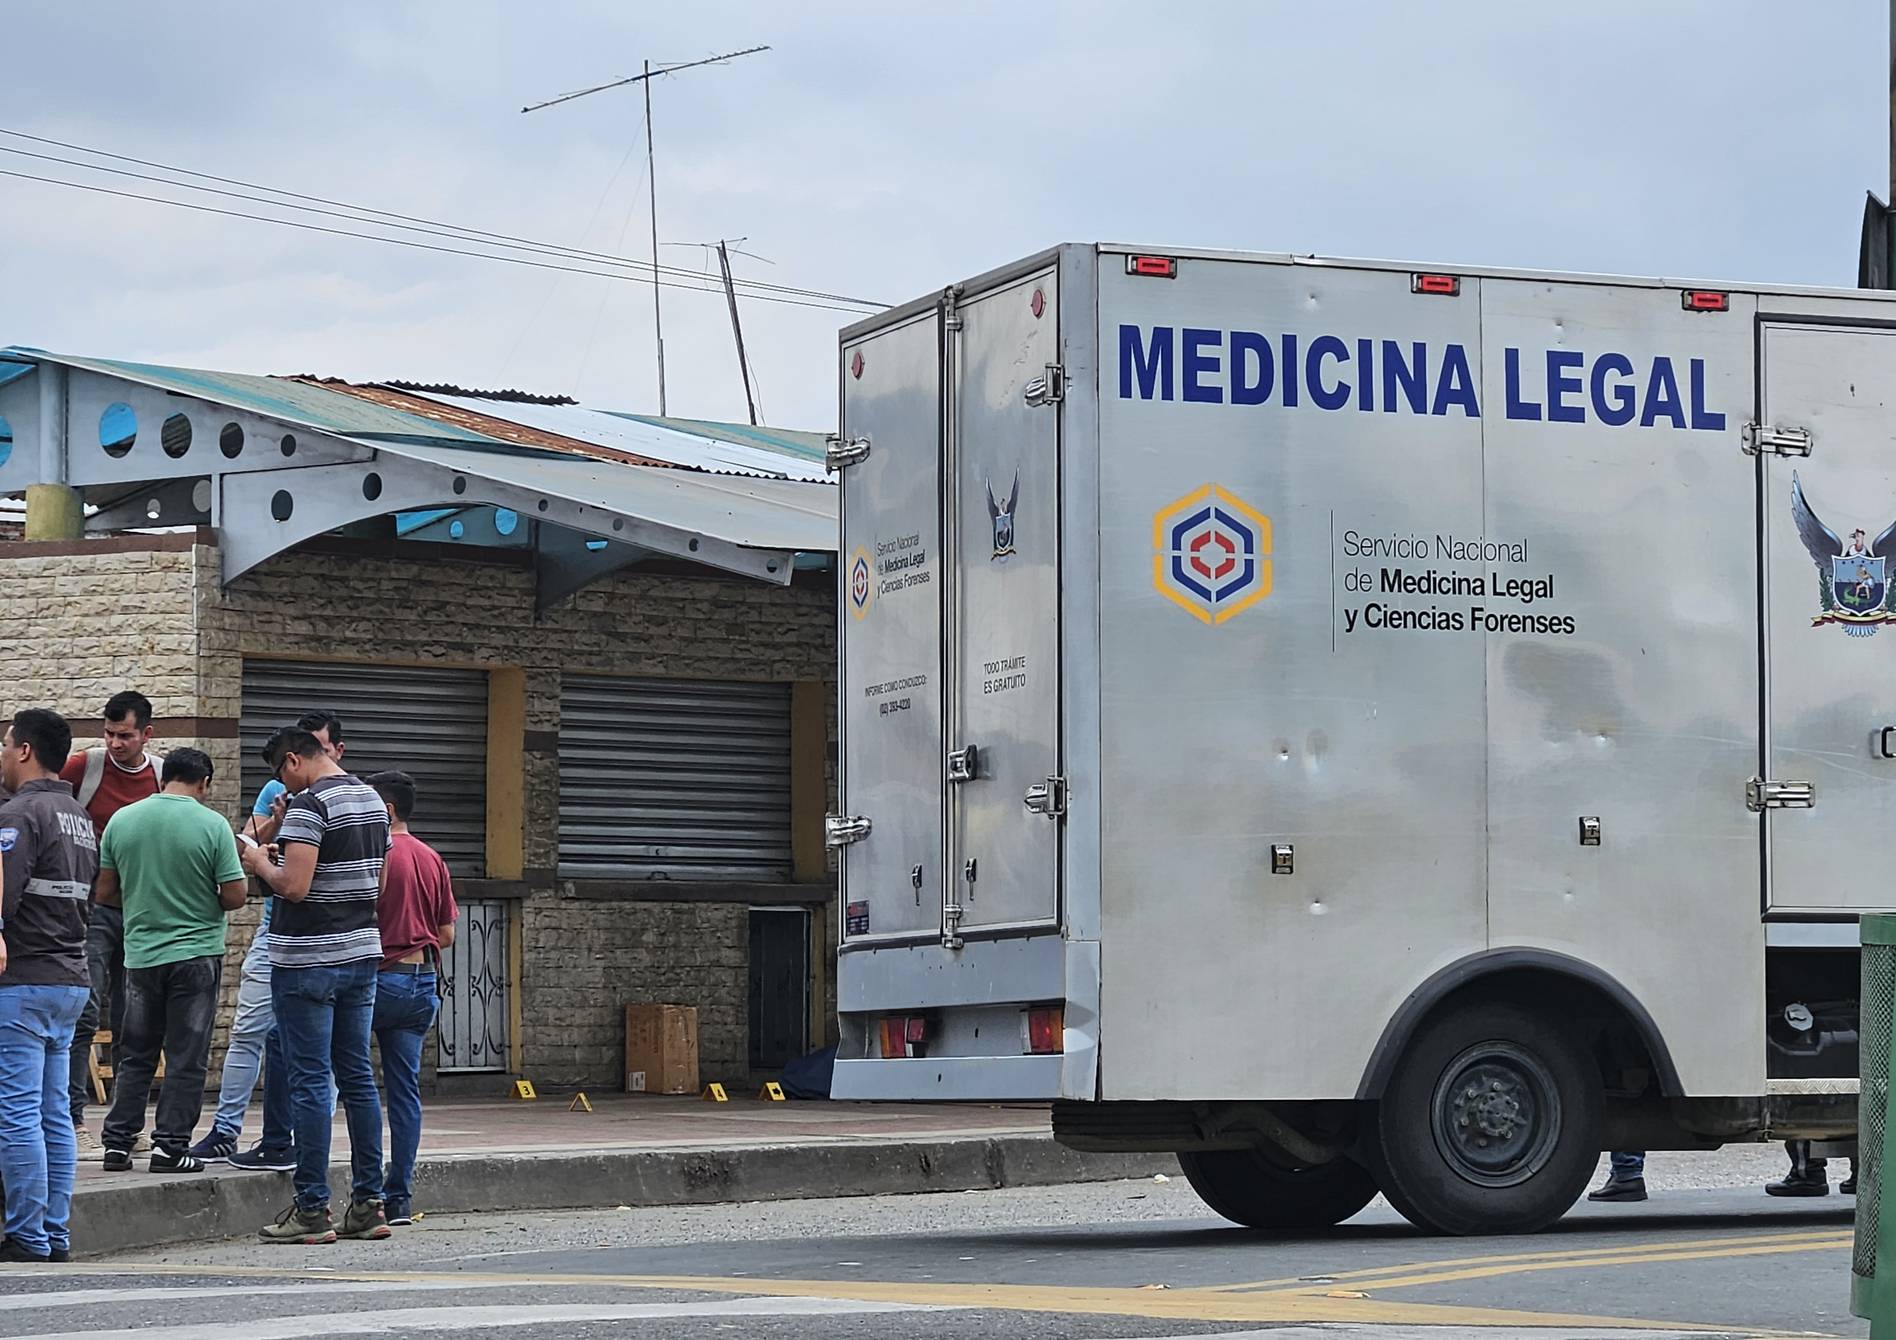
(661, 1049)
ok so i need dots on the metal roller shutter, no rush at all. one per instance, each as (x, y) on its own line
(674, 779)
(429, 722)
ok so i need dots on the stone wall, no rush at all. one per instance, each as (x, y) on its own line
(149, 613)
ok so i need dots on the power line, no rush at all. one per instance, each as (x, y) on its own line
(649, 72)
(454, 232)
(638, 277)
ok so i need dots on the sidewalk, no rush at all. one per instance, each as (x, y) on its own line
(630, 1150)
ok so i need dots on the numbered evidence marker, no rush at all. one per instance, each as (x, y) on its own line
(523, 1088)
(772, 1092)
(580, 1103)
(714, 1093)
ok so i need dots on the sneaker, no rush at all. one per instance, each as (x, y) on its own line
(164, 1161)
(367, 1221)
(90, 1150)
(117, 1160)
(217, 1147)
(60, 1256)
(308, 1228)
(1799, 1183)
(141, 1145)
(14, 1252)
(1620, 1189)
(260, 1159)
(400, 1213)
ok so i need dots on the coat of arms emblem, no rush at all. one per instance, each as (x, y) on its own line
(1001, 513)
(1852, 577)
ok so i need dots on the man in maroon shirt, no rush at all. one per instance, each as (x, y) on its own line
(107, 778)
(416, 914)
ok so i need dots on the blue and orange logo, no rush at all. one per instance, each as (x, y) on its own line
(1211, 554)
(862, 582)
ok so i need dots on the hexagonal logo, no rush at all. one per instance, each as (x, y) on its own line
(862, 582)
(1211, 554)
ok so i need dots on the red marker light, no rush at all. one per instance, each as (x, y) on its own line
(855, 365)
(1153, 267)
(1039, 304)
(1045, 1029)
(1447, 286)
(1706, 300)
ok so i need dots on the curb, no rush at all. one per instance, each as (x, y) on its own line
(151, 1211)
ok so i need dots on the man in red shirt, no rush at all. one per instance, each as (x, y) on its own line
(107, 778)
(416, 915)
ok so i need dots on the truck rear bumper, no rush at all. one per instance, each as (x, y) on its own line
(957, 1078)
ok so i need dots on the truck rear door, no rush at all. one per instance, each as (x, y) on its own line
(1004, 605)
(950, 621)
(1826, 787)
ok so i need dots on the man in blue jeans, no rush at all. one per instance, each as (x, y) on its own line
(416, 915)
(325, 871)
(49, 858)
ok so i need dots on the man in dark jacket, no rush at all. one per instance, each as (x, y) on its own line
(48, 860)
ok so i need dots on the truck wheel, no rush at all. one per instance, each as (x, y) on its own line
(1490, 1124)
(1246, 1188)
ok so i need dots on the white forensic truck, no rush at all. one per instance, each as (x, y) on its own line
(1364, 726)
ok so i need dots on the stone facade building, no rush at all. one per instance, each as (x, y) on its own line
(630, 779)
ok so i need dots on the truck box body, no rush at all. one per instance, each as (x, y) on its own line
(1321, 637)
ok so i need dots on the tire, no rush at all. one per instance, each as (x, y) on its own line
(1490, 1124)
(1246, 1188)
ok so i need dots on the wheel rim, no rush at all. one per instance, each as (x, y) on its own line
(1496, 1114)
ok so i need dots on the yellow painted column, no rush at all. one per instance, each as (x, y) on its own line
(54, 512)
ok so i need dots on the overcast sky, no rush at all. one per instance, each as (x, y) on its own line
(883, 150)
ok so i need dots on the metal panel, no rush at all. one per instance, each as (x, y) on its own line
(474, 992)
(427, 721)
(1831, 646)
(674, 779)
(982, 1079)
(890, 615)
(1230, 730)
(1644, 716)
(1004, 608)
(903, 977)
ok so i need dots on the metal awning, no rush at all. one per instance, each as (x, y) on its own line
(273, 462)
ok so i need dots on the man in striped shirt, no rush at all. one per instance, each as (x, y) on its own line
(326, 870)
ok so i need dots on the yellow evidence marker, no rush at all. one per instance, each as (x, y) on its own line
(714, 1093)
(523, 1088)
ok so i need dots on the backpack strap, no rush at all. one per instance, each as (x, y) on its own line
(95, 773)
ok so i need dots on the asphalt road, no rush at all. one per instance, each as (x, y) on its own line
(1125, 1259)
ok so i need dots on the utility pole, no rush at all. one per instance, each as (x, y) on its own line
(737, 328)
(651, 178)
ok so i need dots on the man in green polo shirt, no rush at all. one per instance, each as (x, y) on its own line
(171, 862)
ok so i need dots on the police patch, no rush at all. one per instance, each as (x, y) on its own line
(8, 836)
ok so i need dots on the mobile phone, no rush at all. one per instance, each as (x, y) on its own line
(247, 840)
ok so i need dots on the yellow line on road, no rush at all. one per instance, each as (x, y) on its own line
(1640, 1249)
(1582, 1262)
(1170, 1304)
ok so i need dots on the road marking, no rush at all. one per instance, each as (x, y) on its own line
(483, 1318)
(1175, 1304)
(1656, 1256)
(322, 1286)
(1728, 1240)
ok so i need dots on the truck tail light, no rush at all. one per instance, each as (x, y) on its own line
(1153, 267)
(1046, 1028)
(1706, 300)
(903, 1036)
(1447, 286)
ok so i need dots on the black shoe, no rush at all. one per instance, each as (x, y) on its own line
(260, 1159)
(1620, 1189)
(12, 1252)
(1796, 1183)
(400, 1213)
(60, 1256)
(118, 1160)
(217, 1147)
(163, 1161)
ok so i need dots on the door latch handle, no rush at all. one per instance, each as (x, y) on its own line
(1882, 742)
(964, 764)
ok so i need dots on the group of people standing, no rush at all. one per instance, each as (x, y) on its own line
(118, 879)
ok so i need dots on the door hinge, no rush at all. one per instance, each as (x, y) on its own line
(839, 830)
(1048, 390)
(1763, 438)
(1761, 795)
(1048, 797)
(964, 764)
(838, 452)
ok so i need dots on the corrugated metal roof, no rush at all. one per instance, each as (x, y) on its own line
(676, 441)
(759, 499)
